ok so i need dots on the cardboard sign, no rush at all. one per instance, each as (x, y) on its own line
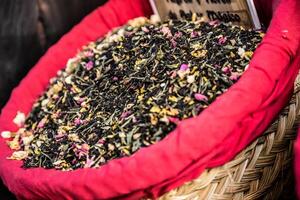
(240, 12)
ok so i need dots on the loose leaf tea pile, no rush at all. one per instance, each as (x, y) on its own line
(129, 90)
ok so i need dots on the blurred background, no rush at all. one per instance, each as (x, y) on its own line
(27, 29)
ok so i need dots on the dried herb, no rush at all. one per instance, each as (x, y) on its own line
(130, 89)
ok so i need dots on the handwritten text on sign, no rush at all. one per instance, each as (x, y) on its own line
(235, 11)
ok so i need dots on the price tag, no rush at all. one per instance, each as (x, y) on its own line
(239, 12)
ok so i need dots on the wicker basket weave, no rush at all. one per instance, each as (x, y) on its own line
(258, 172)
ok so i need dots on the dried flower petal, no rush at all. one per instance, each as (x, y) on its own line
(125, 114)
(88, 53)
(153, 119)
(184, 67)
(19, 119)
(173, 74)
(14, 144)
(71, 65)
(178, 35)
(200, 97)
(85, 147)
(248, 54)
(18, 155)
(166, 31)
(213, 23)
(145, 29)
(69, 80)
(73, 137)
(199, 53)
(174, 43)
(222, 40)
(234, 76)
(194, 34)
(42, 123)
(89, 65)
(173, 98)
(155, 109)
(6, 134)
(26, 140)
(241, 52)
(115, 78)
(191, 79)
(226, 70)
(78, 121)
(174, 120)
(101, 141)
(88, 163)
(111, 147)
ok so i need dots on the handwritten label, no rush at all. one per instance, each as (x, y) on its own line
(235, 11)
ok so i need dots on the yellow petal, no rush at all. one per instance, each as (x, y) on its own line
(153, 119)
(155, 109)
(173, 112)
(14, 145)
(173, 98)
(249, 54)
(232, 54)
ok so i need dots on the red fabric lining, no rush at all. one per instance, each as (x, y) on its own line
(209, 140)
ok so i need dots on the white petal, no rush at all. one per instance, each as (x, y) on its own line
(6, 134)
(19, 119)
(19, 155)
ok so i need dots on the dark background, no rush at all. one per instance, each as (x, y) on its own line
(27, 29)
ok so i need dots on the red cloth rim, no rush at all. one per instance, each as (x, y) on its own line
(209, 140)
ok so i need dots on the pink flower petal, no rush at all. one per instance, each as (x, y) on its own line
(78, 122)
(134, 120)
(184, 67)
(89, 65)
(173, 74)
(194, 34)
(85, 147)
(177, 35)
(89, 162)
(125, 114)
(212, 23)
(145, 29)
(222, 40)
(200, 97)
(234, 76)
(166, 31)
(174, 120)
(174, 43)
(42, 123)
(101, 141)
(226, 70)
(88, 53)
(80, 100)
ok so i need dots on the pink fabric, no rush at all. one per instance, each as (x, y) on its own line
(209, 140)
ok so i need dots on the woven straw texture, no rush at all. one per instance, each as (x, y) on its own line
(261, 171)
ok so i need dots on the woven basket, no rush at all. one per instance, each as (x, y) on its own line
(259, 172)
